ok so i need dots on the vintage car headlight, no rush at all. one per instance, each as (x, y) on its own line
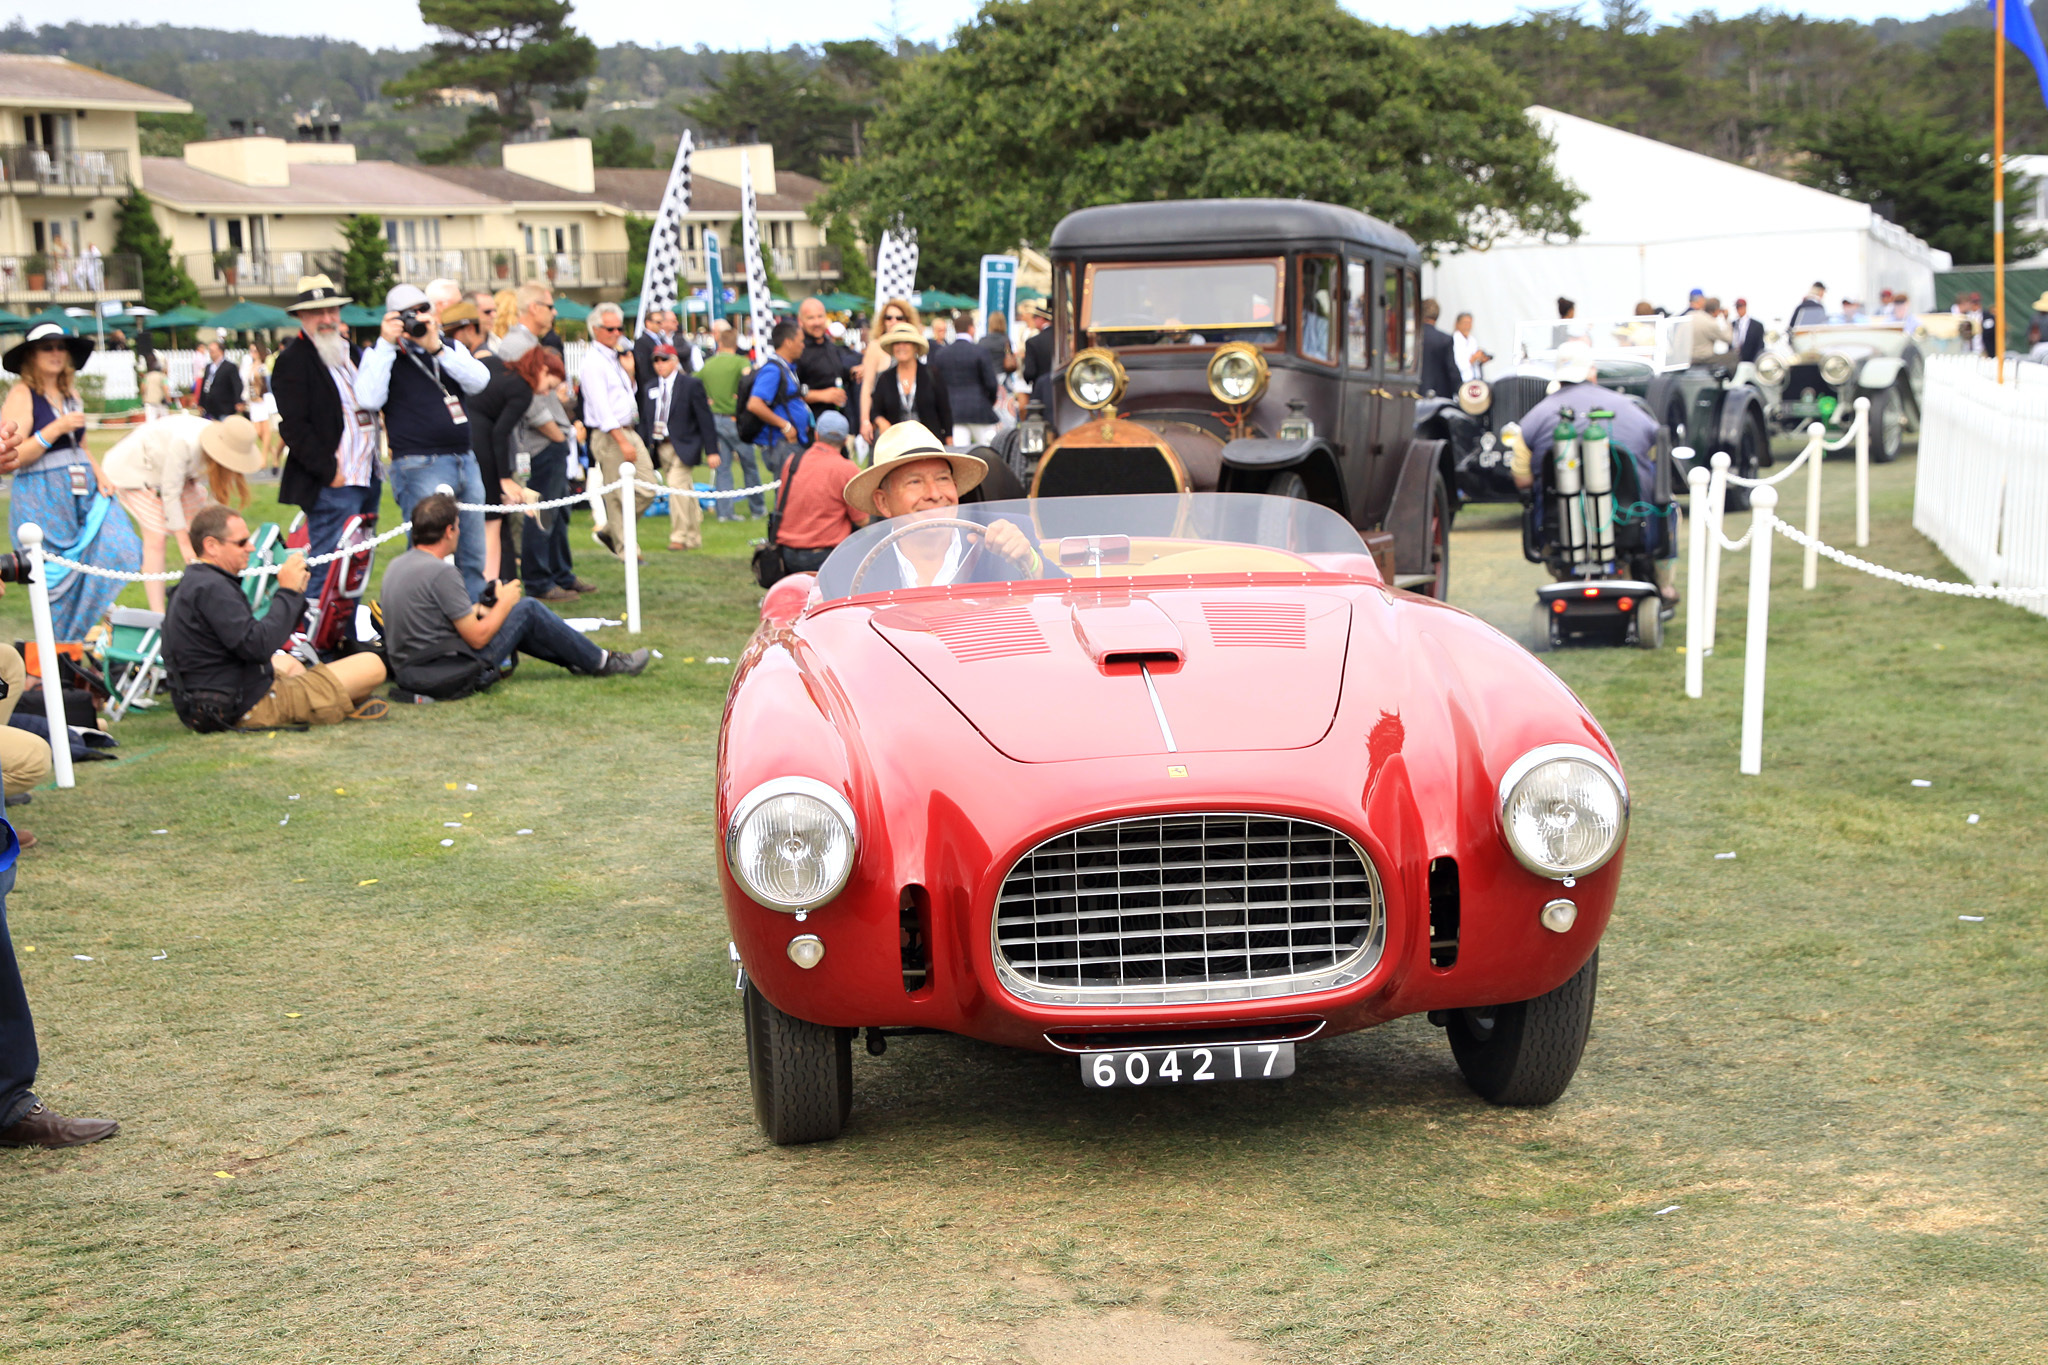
(791, 843)
(1836, 369)
(1237, 373)
(1563, 810)
(1095, 378)
(1770, 369)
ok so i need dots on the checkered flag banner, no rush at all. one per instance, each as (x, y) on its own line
(661, 281)
(757, 274)
(896, 266)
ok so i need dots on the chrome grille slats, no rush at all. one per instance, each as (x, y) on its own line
(1163, 909)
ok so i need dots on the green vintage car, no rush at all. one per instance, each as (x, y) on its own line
(1820, 371)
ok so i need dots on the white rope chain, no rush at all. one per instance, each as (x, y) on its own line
(1812, 444)
(1910, 580)
(173, 575)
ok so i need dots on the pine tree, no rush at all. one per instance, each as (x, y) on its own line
(165, 285)
(366, 270)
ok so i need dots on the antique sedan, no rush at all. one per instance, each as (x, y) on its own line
(1195, 789)
(1818, 373)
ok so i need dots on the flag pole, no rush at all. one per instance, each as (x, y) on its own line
(1998, 186)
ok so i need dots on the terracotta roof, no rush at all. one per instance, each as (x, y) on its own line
(31, 78)
(366, 184)
(502, 184)
(641, 191)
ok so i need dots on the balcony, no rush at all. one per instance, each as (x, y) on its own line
(40, 280)
(790, 263)
(258, 272)
(599, 270)
(276, 273)
(39, 170)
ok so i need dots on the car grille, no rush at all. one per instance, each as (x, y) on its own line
(1174, 909)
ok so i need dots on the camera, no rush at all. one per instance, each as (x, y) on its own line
(13, 569)
(414, 320)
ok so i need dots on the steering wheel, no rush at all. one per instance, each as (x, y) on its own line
(911, 528)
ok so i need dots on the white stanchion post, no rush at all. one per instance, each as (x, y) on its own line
(1696, 584)
(1763, 503)
(1862, 473)
(30, 539)
(1717, 499)
(1809, 577)
(629, 544)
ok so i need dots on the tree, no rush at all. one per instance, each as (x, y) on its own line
(615, 147)
(366, 270)
(1043, 107)
(515, 51)
(854, 275)
(1929, 177)
(165, 284)
(167, 134)
(811, 115)
(639, 229)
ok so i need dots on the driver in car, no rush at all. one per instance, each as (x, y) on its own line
(913, 475)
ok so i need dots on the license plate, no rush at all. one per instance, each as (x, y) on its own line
(1187, 1065)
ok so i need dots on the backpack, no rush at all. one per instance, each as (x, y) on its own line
(749, 425)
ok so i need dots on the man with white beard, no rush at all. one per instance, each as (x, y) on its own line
(330, 466)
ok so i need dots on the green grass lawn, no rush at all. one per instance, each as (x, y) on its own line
(389, 1101)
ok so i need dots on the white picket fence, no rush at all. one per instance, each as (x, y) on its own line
(1981, 490)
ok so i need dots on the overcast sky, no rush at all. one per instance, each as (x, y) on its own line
(396, 23)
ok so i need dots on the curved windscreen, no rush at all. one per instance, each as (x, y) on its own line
(1139, 536)
(1183, 303)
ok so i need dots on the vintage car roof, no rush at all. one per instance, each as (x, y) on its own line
(1166, 227)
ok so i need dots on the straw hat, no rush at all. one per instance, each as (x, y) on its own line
(902, 332)
(17, 356)
(2041, 304)
(232, 444)
(317, 291)
(902, 443)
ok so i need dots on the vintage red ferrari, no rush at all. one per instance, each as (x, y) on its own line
(1193, 789)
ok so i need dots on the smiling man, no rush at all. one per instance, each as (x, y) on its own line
(914, 476)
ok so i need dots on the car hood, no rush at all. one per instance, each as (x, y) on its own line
(1111, 673)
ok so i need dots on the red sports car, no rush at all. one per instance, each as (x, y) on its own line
(1193, 788)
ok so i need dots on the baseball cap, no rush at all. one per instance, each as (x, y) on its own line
(664, 349)
(1697, 294)
(404, 296)
(832, 428)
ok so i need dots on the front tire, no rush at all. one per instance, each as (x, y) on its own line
(1439, 543)
(1650, 623)
(1887, 426)
(1526, 1054)
(802, 1073)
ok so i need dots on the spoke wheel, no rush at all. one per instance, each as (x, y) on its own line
(1887, 427)
(802, 1073)
(1526, 1053)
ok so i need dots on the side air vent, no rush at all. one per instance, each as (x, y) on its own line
(1001, 633)
(1443, 913)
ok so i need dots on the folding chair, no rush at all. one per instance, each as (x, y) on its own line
(330, 622)
(131, 658)
(266, 548)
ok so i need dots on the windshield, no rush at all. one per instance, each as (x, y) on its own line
(1182, 305)
(1137, 536)
(1883, 339)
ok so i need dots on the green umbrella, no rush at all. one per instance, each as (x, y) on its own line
(56, 317)
(841, 302)
(574, 311)
(12, 322)
(930, 300)
(355, 315)
(244, 316)
(1025, 292)
(184, 315)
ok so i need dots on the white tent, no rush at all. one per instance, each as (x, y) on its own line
(1660, 221)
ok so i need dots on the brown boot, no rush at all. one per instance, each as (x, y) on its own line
(41, 1128)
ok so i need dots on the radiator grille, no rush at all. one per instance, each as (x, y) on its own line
(1185, 908)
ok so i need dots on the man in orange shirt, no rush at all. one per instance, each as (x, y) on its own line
(813, 513)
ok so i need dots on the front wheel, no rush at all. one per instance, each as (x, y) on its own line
(802, 1073)
(1887, 426)
(1525, 1054)
(1438, 566)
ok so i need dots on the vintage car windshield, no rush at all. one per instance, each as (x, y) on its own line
(1179, 304)
(1126, 537)
(1880, 338)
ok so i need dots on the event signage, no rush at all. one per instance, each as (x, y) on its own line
(714, 276)
(999, 291)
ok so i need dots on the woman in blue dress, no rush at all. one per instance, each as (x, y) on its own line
(59, 486)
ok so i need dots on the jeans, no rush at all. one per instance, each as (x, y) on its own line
(737, 470)
(18, 1056)
(415, 476)
(805, 561)
(546, 551)
(533, 630)
(324, 520)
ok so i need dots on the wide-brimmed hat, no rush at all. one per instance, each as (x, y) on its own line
(17, 356)
(231, 443)
(459, 314)
(317, 291)
(902, 332)
(1574, 363)
(901, 444)
(2041, 304)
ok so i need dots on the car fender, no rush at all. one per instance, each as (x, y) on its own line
(1250, 461)
(1269, 452)
(1879, 372)
(1736, 408)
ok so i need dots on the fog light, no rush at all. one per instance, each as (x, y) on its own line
(1558, 917)
(808, 950)
(1557, 606)
(1625, 605)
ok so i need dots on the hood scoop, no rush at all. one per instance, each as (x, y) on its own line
(1087, 674)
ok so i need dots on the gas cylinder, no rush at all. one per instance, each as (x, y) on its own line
(1597, 456)
(1567, 477)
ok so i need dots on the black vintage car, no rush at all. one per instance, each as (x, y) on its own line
(1247, 345)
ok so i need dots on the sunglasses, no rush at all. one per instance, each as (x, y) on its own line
(243, 543)
(51, 346)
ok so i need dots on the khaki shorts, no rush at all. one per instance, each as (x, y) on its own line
(315, 697)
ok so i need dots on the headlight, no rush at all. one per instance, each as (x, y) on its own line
(1563, 810)
(1836, 369)
(1095, 378)
(791, 843)
(1770, 369)
(1237, 373)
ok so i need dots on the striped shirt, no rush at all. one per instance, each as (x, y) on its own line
(356, 456)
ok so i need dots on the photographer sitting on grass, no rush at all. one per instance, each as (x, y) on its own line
(225, 665)
(444, 646)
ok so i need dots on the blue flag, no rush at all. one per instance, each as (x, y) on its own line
(2021, 33)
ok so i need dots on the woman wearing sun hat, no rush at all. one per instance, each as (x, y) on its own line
(165, 471)
(908, 391)
(58, 486)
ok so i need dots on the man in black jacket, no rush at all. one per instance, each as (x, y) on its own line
(678, 429)
(662, 330)
(226, 667)
(1439, 355)
(220, 394)
(971, 383)
(330, 466)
